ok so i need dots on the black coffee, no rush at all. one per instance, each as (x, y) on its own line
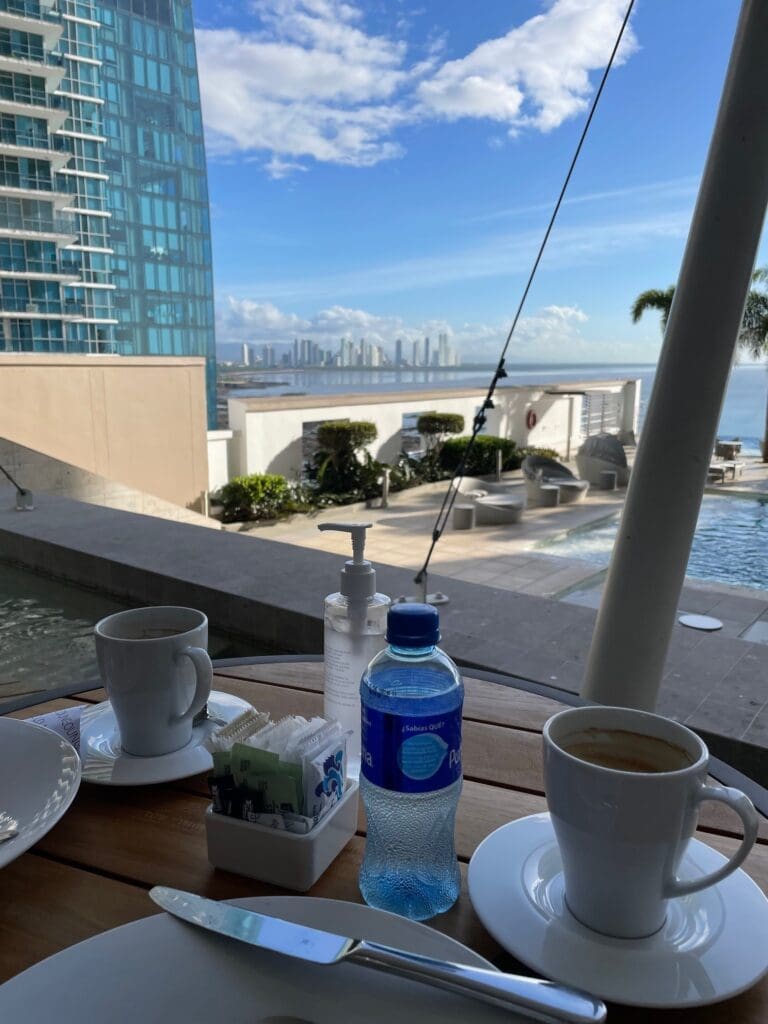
(626, 751)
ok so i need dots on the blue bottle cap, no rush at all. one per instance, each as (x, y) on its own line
(413, 625)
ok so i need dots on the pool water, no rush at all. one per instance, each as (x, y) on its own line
(730, 544)
(46, 633)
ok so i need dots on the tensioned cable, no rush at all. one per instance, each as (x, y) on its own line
(8, 475)
(479, 421)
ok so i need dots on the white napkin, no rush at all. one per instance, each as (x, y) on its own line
(64, 723)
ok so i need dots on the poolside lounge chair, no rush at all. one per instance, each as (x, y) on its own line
(602, 452)
(541, 475)
(496, 504)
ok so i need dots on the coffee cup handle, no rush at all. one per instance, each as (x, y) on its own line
(204, 674)
(743, 806)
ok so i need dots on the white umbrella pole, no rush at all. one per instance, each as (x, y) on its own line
(635, 622)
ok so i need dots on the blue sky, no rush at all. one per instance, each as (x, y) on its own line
(386, 168)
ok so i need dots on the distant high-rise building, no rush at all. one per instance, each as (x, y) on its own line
(415, 360)
(268, 357)
(444, 357)
(399, 352)
(245, 355)
(427, 356)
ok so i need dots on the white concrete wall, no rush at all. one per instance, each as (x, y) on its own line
(269, 439)
(219, 444)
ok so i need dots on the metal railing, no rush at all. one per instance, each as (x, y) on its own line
(26, 181)
(29, 96)
(15, 137)
(36, 265)
(58, 224)
(30, 9)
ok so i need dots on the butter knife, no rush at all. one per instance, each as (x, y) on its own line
(539, 1000)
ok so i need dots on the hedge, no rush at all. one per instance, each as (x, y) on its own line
(482, 458)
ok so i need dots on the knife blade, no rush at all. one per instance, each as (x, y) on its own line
(539, 1000)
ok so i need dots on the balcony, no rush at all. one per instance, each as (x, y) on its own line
(27, 102)
(40, 269)
(43, 307)
(57, 227)
(28, 16)
(34, 145)
(30, 9)
(33, 61)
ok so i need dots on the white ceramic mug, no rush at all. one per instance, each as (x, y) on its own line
(622, 833)
(157, 674)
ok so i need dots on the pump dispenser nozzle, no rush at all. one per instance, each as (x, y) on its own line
(358, 537)
(358, 577)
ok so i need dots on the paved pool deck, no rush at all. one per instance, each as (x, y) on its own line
(714, 681)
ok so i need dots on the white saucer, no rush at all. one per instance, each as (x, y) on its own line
(105, 763)
(712, 947)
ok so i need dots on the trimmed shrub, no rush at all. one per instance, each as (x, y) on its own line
(345, 435)
(258, 496)
(482, 458)
(336, 467)
(436, 425)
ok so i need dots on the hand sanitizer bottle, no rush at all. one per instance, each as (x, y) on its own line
(355, 626)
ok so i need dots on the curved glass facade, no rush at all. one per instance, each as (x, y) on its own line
(158, 189)
(104, 220)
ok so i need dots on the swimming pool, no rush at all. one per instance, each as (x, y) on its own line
(46, 633)
(730, 545)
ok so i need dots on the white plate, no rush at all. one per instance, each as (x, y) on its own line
(39, 777)
(104, 761)
(712, 947)
(162, 971)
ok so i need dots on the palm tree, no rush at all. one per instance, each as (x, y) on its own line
(753, 334)
(654, 298)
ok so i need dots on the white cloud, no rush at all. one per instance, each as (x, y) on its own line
(311, 82)
(538, 73)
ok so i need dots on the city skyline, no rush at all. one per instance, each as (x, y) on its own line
(305, 353)
(388, 170)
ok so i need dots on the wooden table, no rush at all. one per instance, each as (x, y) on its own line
(93, 870)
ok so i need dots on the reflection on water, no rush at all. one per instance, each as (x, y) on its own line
(46, 633)
(730, 545)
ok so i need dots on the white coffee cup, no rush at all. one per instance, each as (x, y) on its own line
(622, 829)
(157, 674)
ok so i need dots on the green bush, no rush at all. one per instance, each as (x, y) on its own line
(258, 496)
(336, 467)
(482, 458)
(435, 425)
(345, 435)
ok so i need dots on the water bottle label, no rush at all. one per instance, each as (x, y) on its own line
(411, 755)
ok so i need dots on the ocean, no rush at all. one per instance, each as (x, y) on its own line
(743, 413)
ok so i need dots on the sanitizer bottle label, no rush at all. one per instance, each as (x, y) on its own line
(406, 754)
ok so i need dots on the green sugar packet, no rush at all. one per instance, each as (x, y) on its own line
(222, 763)
(272, 793)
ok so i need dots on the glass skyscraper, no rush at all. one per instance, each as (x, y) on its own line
(158, 190)
(104, 222)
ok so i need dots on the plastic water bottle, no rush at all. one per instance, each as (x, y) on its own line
(411, 696)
